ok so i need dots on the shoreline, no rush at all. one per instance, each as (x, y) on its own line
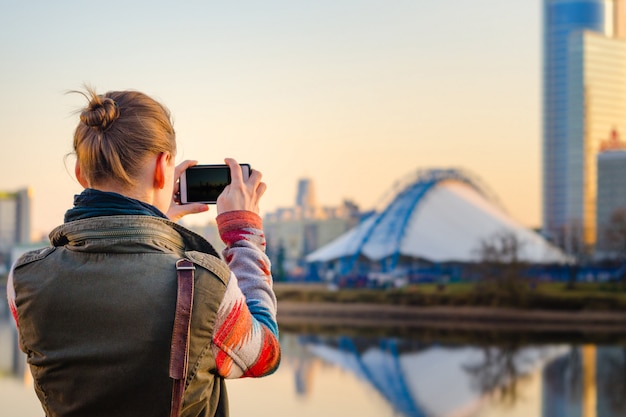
(294, 313)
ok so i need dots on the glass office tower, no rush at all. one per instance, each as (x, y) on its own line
(596, 108)
(583, 101)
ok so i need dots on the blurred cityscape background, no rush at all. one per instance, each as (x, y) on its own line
(439, 225)
(434, 222)
(438, 220)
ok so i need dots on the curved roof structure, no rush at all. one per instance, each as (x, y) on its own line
(440, 216)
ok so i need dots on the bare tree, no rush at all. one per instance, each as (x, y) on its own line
(498, 373)
(615, 240)
(501, 266)
(615, 233)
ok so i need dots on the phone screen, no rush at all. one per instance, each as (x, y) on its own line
(204, 183)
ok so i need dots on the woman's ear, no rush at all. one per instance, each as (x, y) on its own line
(160, 169)
(79, 176)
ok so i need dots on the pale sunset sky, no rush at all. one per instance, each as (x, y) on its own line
(354, 94)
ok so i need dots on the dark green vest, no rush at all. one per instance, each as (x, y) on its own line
(96, 317)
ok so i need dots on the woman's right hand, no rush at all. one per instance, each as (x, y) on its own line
(240, 194)
(176, 210)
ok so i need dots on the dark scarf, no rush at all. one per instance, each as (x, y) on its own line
(95, 203)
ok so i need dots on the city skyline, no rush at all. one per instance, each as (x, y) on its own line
(353, 94)
(584, 91)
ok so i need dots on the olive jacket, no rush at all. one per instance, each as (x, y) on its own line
(95, 313)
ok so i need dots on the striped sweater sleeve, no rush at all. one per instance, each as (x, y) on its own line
(245, 337)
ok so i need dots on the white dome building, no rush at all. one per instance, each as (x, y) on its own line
(437, 216)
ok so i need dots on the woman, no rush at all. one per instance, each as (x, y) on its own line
(95, 311)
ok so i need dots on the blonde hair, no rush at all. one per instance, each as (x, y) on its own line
(117, 132)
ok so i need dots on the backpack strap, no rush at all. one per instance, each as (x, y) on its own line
(179, 353)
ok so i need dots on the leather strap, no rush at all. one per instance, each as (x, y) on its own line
(179, 353)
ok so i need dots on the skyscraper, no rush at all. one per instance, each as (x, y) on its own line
(306, 194)
(296, 231)
(584, 100)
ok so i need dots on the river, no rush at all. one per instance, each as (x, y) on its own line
(381, 373)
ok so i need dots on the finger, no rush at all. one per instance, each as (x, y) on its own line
(235, 171)
(176, 212)
(255, 177)
(178, 171)
(193, 208)
(260, 190)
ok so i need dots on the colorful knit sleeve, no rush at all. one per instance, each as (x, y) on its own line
(245, 337)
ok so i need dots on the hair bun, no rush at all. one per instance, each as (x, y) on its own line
(101, 113)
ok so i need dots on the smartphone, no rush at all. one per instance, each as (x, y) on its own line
(204, 183)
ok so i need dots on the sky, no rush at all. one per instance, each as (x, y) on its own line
(353, 94)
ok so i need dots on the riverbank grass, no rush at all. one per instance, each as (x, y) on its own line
(545, 296)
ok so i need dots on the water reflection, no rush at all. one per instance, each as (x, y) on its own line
(416, 376)
(613, 365)
(11, 359)
(500, 369)
(425, 379)
(445, 380)
(588, 381)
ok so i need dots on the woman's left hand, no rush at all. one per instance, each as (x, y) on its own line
(176, 210)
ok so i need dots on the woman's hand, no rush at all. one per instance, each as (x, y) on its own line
(176, 210)
(240, 194)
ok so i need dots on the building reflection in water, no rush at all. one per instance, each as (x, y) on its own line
(588, 381)
(430, 380)
(381, 376)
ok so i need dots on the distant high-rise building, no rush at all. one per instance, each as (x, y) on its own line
(611, 201)
(597, 105)
(294, 232)
(584, 99)
(306, 194)
(14, 219)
